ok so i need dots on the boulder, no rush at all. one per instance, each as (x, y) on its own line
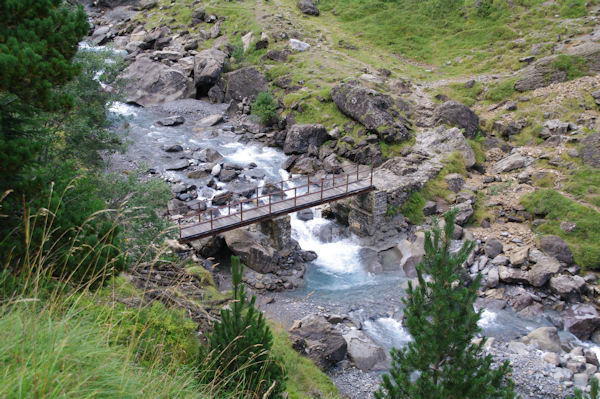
(456, 114)
(544, 338)
(178, 165)
(373, 110)
(298, 45)
(464, 211)
(519, 256)
(512, 275)
(513, 162)
(556, 247)
(365, 353)
(247, 40)
(590, 150)
(544, 71)
(208, 66)
(411, 254)
(253, 254)
(177, 207)
(446, 141)
(308, 7)
(244, 83)
(171, 121)
(152, 83)
(207, 155)
(455, 182)
(316, 338)
(540, 273)
(581, 320)
(305, 215)
(306, 166)
(567, 287)
(554, 127)
(300, 137)
(493, 247)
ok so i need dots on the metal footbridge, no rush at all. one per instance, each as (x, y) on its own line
(275, 200)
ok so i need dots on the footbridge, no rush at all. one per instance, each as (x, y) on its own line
(275, 199)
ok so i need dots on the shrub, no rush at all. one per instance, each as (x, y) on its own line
(240, 347)
(265, 108)
(593, 392)
(442, 361)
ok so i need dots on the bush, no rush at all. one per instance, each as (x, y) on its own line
(240, 348)
(442, 361)
(265, 108)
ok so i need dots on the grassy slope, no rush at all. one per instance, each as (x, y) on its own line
(47, 345)
(584, 241)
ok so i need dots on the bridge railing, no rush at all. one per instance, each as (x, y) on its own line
(322, 186)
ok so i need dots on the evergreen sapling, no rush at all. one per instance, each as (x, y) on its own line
(240, 346)
(442, 361)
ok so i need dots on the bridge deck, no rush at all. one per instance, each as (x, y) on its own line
(256, 211)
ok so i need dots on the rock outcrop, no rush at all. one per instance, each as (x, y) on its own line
(316, 338)
(244, 83)
(454, 113)
(151, 83)
(373, 110)
(300, 138)
(590, 150)
(208, 66)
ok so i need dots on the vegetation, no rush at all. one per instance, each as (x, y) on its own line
(265, 108)
(240, 346)
(593, 392)
(572, 65)
(584, 241)
(442, 361)
(501, 91)
(413, 207)
(584, 183)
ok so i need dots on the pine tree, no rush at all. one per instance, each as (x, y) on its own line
(593, 391)
(442, 362)
(38, 39)
(240, 347)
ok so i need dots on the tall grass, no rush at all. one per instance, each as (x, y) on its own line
(62, 338)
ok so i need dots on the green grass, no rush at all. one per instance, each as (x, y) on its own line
(584, 183)
(501, 91)
(460, 93)
(480, 211)
(572, 8)
(584, 241)
(49, 355)
(574, 66)
(305, 380)
(478, 146)
(413, 208)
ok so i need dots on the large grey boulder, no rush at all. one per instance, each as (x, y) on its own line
(456, 114)
(556, 247)
(300, 137)
(314, 337)
(152, 83)
(365, 353)
(373, 110)
(493, 247)
(247, 245)
(545, 71)
(446, 141)
(543, 270)
(567, 287)
(208, 66)
(245, 82)
(411, 254)
(512, 275)
(581, 320)
(513, 162)
(308, 7)
(544, 338)
(464, 211)
(590, 150)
